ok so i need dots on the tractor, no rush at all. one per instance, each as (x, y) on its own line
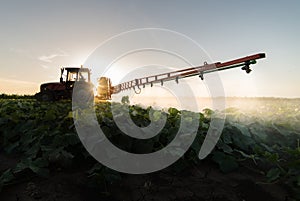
(63, 89)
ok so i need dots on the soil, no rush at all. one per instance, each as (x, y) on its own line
(199, 182)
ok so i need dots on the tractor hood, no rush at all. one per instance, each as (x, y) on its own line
(52, 86)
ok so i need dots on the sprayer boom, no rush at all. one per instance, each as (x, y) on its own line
(105, 89)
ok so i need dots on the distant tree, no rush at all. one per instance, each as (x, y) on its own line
(125, 100)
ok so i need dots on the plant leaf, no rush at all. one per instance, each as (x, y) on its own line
(273, 174)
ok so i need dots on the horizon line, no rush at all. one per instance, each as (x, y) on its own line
(266, 97)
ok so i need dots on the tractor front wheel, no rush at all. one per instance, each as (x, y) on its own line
(44, 96)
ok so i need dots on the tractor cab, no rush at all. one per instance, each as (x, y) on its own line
(64, 88)
(70, 75)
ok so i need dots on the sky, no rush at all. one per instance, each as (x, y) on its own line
(38, 37)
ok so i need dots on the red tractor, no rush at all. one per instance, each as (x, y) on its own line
(64, 88)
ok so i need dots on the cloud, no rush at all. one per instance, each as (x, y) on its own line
(45, 67)
(49, 58)
(16, 86)
(15, 81)
(23, 53)
(17, 50)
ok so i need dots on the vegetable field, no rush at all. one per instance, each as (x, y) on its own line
(42, 158)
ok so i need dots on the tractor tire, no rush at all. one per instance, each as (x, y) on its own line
(83, 98)
(46, 96)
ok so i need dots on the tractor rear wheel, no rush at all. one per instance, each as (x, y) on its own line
(47, 96)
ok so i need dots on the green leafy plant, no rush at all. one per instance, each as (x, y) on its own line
(43, 134)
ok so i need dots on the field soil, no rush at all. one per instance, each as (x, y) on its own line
(199, 182)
